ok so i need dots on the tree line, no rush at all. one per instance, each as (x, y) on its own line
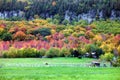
(47, 8)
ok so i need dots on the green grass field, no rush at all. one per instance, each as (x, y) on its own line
(57, 69)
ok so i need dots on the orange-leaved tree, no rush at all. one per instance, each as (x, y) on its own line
(20, 35)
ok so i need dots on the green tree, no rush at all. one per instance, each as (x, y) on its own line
(7, 37)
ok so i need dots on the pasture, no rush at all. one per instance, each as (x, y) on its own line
(54, 69)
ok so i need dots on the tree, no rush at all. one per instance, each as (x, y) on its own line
(19, 35)
(45, 31)
(7, 37)
(42, 31)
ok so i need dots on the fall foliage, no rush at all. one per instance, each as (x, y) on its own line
(40, 34)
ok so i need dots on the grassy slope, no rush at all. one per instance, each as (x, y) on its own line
(28, 70)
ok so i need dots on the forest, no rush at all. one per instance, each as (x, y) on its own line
(43, 38)
(28, 9)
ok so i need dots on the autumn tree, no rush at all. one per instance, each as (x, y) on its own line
(19, 36)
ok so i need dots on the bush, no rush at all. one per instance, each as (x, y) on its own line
(27, 52)
(91, 47)
(7, 37)
(65, 22)
(2, 31)
(60, 28)
(67, 32)
(41, 52)
(107, 56)
(20, 53)
(49, 20)
(43, 32)
(56, 21)
(81, 51)
(20, 36)
(11, 53)
(82, 23)
(65, 52)
(52, 52)
(117, 62)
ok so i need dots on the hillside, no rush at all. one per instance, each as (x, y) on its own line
(38, 38)
(71, 10)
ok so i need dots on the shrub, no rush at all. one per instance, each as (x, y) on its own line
(60, 28)
(52, 52)
(56, 21)
(2, 31)
(82, 23)
(41, 52)
(90, 34)
(91, 47)
(35, 32)
(28, 52)
(75, 34)
(81, 51)
(43, 31)
(7, 37)
(65, 52)
(21, 53)
(107, 56)
(65, 22)
(67, 32)
(49, 20)
(20, 35)
(117, 62)
(11, 53)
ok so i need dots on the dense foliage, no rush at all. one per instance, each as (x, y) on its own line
(45, 8)
(41, 38)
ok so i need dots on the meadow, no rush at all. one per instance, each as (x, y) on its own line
(59, 40)
(54, 69)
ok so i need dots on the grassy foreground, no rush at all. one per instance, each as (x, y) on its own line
(57, 69)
